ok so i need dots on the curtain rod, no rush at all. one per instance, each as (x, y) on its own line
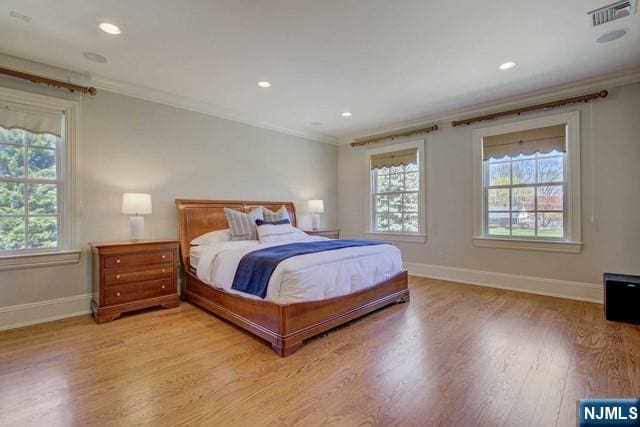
(518, 111)
(49, 82)
(393, 136)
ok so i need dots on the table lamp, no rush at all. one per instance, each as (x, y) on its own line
(136, 204)
(316, 207)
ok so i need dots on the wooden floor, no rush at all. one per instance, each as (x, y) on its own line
(455, 355)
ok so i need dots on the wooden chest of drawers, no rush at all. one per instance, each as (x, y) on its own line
(133, 275)
(331, 233)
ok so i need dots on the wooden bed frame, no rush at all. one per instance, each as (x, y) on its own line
(285, 326)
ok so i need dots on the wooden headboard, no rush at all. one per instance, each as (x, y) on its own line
(196, 217)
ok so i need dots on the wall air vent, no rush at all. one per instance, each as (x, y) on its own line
(617, 10)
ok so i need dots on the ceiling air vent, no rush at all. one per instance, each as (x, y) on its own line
(617, 10)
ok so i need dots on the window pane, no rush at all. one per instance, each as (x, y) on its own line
(523, 199)
(524, 156)
(411, 202)
(11, 161)
(411, 222)
(43, 199)
(397, 169)
(11, 198)
(498, 199)
(382, 203)
(42, 163)
(412, 181)
(550, 170)
(395, 203)
(553, 153)
(382, 221)
(382, 183)
(396, 182)
(11, 233)
(524, 172)
(44, 140)
(523, 224)
(498, 224)
(11, 136)
(395, 221)
(550, 225)
(43, 232)
(550, 198)
(499, 174)
(411, 167)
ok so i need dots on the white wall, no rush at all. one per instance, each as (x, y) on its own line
(127, 144)
(611, 243)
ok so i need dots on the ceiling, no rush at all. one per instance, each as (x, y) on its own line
(387, 62)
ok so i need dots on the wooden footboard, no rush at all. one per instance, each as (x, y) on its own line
(287, 326)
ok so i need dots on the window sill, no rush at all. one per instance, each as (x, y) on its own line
(42, 259)
(397, 237)
(529, 245)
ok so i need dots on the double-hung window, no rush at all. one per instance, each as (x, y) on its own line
(527, 194)
(396, 196)
(35, 184)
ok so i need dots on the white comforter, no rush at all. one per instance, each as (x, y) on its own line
(308, 277)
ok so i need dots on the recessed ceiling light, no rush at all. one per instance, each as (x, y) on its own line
(346, 114)
(316, 123)
(612, 35)
(109, 28)
(507, 65)
(264, 84)
(95, 57)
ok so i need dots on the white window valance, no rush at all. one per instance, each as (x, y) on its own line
(395, 158)
(12, 117)
(541, 140)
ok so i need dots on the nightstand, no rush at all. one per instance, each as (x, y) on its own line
(132, 275)
(332, 233)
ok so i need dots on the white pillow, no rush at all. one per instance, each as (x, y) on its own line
(281, 213)
(274, 231)
(212, 237)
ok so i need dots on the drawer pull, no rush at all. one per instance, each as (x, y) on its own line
(117, 276)
(164, 256)
(163, 270)
(118, 294)
(117, 261)
(163, 286)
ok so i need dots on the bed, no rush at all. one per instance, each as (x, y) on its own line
(284, 324)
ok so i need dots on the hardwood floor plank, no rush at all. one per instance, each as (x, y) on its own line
(454, 355)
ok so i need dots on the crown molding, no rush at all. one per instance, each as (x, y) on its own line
(516, 101)
(148, 94)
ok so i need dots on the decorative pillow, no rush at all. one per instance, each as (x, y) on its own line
(212, 237)
(274, 231)
(278, 215)
(243, 226)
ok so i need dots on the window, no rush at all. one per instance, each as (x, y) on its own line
(527, 191)
(396, 202)
(36, 159)
(29, 186)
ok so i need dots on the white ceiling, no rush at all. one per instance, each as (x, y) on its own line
(387, 62)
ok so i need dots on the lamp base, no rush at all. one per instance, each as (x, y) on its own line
(315, 218)
(136, 227)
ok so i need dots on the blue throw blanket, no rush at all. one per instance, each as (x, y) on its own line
(255, 268)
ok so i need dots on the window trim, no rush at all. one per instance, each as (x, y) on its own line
(421, 235)
(67, 252)
(572, 241)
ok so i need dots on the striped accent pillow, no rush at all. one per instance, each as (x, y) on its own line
(242, 225)
(277, 215)
(274, 231)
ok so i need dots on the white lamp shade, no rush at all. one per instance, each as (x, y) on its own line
(136, 203)
(316, 206)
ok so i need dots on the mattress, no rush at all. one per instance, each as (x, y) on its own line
(302, 278)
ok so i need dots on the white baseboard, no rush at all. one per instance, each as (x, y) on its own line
(17, 316)
(535, 285)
